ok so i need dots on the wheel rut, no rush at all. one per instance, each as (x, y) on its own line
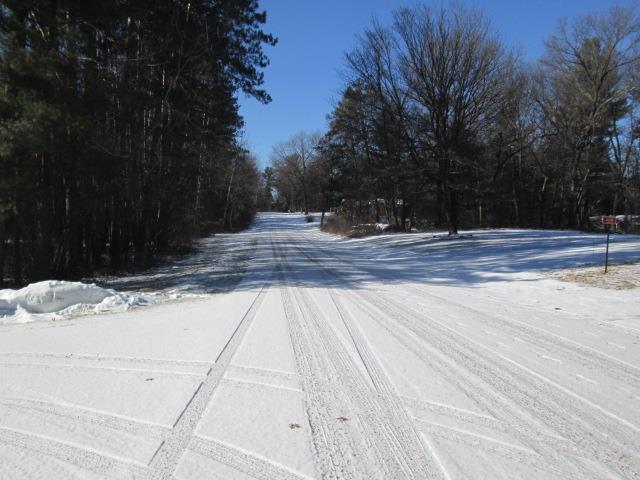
(379, 440)
(75, 455)
(165, 460)
(512, 395)
(247, 463)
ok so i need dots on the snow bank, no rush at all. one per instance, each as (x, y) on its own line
(55, 299)
(53, 296)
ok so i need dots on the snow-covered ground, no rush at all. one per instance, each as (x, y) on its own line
(216, 266)
(391, 357)
(618, 277)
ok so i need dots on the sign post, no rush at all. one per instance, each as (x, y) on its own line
(608, 221)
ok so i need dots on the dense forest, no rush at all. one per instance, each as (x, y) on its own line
(119, 129)
(440, 125)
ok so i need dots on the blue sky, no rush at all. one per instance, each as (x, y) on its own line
(304, 76)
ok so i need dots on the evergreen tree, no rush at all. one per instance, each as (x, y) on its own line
(118, 129)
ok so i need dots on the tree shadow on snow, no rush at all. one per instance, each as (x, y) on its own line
(312, 259)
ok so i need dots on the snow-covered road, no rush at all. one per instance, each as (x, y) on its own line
(400, 356)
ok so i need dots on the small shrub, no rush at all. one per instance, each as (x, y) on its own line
(337, 225)
(364, 230)
(309, 219)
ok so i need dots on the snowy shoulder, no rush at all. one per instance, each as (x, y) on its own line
(53, 299)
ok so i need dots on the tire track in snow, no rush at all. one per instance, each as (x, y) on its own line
(165, 460)
(257, 385)
(98, 361)
(490, 445)
(105, 358)
(242, 461)
(522, 456)
(14, 466)
(587, 427)
(88, 416)
(516, 422)
(382, 422)
(548, 341)
(551, 342)
(391, 433)
(584, 436)
(56, 366)
(334, 448)
(71, 454)
(526, 432)
(263, 372)
(403, 438)
(458, 414)
(259, 376)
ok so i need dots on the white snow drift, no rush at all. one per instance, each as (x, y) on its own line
(52, 298)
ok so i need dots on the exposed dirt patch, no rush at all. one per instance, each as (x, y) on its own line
(618, 277)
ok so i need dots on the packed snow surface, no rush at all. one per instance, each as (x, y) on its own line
(413, 356)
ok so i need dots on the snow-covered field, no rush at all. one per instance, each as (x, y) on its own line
(391, 357)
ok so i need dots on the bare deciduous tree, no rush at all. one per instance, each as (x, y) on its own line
(587, 92)
(440, 125)
(455, 68)
(291, 160)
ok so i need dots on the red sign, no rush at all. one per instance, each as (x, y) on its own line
(609, 220)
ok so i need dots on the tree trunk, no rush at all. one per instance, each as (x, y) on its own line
(453, 211)
(17, 257)
(226, 220)
(2, 251)
(440, 210)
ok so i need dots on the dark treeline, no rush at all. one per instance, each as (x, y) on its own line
(441, 125)
(119, 127)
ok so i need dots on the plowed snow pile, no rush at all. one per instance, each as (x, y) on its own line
(216, 266)
(51, 299)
